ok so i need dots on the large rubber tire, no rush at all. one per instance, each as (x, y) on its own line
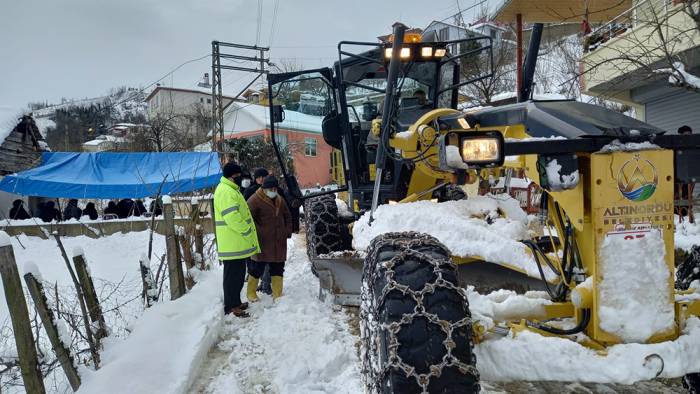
(323, 228)
(415, 324)
(689, 269)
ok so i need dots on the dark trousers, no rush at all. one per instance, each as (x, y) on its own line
(234, 276)
(256, 269)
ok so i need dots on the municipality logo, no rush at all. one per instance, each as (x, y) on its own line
(637, 179)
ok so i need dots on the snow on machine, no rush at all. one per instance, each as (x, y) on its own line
(406, 245)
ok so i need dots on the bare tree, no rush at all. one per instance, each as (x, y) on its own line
(482, 92)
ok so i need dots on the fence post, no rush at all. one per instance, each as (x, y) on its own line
(150, 291)
(91, 301)
(21, 326)
(177, 279)
(36, 290)
(199, 246)
(184, 243)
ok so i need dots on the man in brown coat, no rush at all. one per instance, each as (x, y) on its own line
(274, 224)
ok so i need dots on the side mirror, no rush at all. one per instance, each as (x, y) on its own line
(277, 114)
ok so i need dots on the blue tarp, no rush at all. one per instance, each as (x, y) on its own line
(109, 175)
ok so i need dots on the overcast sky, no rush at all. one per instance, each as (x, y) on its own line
(51, 49)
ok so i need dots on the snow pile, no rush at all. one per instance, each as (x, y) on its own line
(530, 356)
(296, 345)
(166, 345)
(634, 298)
(559, 181)
(166, 199)
(505, 305)
(617, 146)
(686, 235)
(474, 227)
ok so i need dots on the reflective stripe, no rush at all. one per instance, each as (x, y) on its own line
(250, 230)
(220, 223)
(237, 254)
(229, 210)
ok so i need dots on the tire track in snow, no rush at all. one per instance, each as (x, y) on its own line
(297, 345)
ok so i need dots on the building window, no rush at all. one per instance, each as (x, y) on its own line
(201, 100)
(208, 101)
(444, 34)
(281, 140)
(310, 147)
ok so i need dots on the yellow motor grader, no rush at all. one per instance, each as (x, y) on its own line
(389, 110)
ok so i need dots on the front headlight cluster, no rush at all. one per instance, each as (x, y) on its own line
(477, 149)
(481, 149)
(426, 52)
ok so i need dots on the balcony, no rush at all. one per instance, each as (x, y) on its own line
(627, 50)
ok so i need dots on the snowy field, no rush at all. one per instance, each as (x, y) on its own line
(114, 264)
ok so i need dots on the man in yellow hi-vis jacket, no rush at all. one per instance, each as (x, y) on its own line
(236, 237)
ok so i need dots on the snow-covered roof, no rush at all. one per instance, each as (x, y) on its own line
(9, 117)
(102, 139)
(242, 117)
(490, 24)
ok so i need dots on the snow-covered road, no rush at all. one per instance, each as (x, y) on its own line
(297, 345)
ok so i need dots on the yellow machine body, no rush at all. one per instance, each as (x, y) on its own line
(617, 191)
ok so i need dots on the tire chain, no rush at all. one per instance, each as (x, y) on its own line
(373, 373)
(319, 210)
(689, 269)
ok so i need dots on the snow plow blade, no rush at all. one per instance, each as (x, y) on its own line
(341, 278)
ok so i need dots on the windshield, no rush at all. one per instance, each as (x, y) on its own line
(365, 104)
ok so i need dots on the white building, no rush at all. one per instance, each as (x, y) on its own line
(189, 109)
(103, 143)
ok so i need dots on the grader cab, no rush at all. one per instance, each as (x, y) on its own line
(604, 250)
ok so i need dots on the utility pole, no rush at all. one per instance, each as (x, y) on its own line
(250, 53)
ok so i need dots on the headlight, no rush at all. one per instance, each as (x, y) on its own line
(426, 51)
(482, 149)
(405, 53)
(440, 52)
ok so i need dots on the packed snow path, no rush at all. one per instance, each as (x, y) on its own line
(296, 345)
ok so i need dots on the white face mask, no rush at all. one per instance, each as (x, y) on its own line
(245, 182)
(271, 193)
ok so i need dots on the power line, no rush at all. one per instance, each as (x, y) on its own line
(273, 26)
(464, 10)
(257, 32)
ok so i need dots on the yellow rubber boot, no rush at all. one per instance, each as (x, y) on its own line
(276, 287)
(252, 287)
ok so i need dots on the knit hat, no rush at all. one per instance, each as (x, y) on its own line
(260, 172)
(269, 182)
(231, 169)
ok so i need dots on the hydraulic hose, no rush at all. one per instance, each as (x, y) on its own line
(585, 319)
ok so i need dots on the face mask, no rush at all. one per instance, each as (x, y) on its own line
(245, 182)
(271, 193)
